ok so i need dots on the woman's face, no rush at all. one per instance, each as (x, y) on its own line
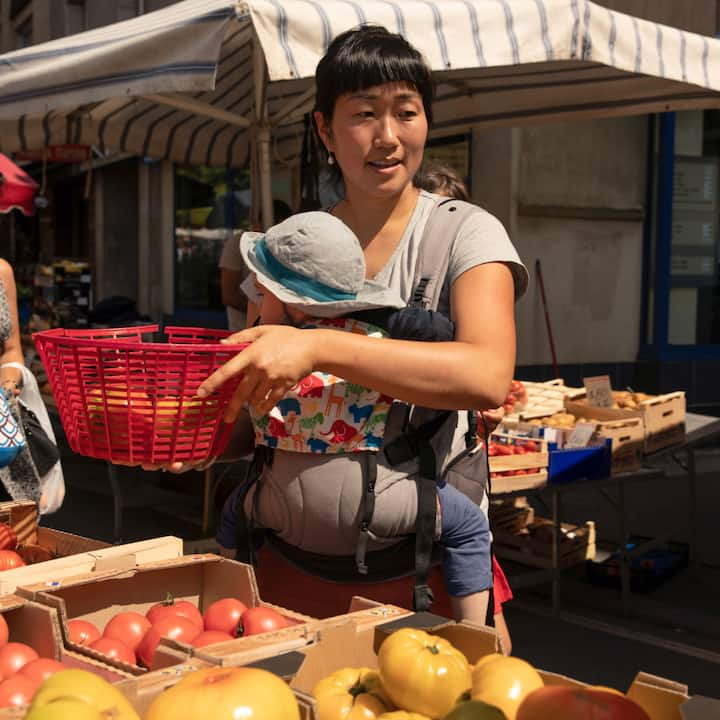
(377, 136)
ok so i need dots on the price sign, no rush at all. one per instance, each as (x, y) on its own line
(581, 435)
(599, 391)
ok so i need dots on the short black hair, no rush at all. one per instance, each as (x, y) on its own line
(365, 57)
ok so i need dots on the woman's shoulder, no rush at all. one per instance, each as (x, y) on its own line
(7, 276)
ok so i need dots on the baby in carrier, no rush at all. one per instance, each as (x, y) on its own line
(310, 270)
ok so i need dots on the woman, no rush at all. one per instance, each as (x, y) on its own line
(373, 108)
(20, 479)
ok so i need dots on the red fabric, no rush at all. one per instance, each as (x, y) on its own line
(18, 189)
(501, 588)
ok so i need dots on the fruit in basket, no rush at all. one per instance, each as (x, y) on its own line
(422, 673)
(127, 627)
(574, 703)
(8, 538)
(175, 627)
(17, 690)
(475, 710)
(82, 632)
(191, 412)
(402, 715)
(211, 637)
(13, 656)
(351, 694)
(114, 649)
(9, 559)
(41, 669)
(224, 615)
(262, 619)
(226, 693)
(172, 608)
(80, 689)
(504, 682)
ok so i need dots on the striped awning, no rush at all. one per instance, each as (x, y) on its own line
(184, 83)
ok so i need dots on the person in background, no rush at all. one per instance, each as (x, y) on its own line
(443, 180)
(233, 273)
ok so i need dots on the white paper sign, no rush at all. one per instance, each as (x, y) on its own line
(599, 391)
(580, 435)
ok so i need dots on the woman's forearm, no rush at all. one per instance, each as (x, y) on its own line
(448, 375)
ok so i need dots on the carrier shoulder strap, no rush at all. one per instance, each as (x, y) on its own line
(441, 228)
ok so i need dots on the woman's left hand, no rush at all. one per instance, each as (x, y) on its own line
(11, 388)
(278, 357)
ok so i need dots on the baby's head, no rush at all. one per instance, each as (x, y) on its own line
(312, 264)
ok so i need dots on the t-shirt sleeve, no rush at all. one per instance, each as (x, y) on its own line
(483, 239)
(231, 258)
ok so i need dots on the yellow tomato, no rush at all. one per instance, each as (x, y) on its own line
(504, 682)
(422, 673)
(403, 715)
(350, 694)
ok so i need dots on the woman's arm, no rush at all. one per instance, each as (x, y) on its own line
(474, 371)
(10, 377)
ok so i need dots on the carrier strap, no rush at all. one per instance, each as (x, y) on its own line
(425, 522)
(368, 509)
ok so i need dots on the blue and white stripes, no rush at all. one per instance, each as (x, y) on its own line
(497, 62)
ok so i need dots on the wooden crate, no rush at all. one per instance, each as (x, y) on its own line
(545, 398)
(510, 473)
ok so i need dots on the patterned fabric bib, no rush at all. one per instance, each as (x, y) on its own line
(324, 413)
(12, 440)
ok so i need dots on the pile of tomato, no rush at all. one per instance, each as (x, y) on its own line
(519, 446)
(133, 638)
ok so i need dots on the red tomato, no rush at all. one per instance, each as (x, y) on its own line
(82, 632)
(4, 632)
(127, 627)
(262, 619)
(41, 669)
(13, 656)
(531, 446)
(17, 690)
(174, 627)
(210, 637)
(8, 538)
(171, 608)
(9, 559)
(224, 615)
(568, 703)
(115, 649)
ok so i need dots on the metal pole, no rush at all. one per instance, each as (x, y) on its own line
(557, 535)
(262, 185)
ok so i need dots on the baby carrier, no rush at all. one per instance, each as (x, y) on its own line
(419, 427)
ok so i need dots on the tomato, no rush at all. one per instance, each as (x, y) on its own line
(210, 637)
(351, 694)
(531, 446)
(4, 631)
(422, 673)
(262, 619)
(82, 632)
(475, 710)
(115, 649)
(569, 703)
(41, 669)
(8, 538)
(127, 627)
(170, 608)
(504, 682)
(402, 715)
(226, 692)
(9, 559)
(224, 615)
(17, 690)
(174, 627)
(13, 656)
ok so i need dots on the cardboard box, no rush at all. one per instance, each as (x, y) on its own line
(201, 579)
(73, 554)
(663, 418)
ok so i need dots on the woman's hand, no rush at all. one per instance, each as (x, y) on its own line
(278, 357)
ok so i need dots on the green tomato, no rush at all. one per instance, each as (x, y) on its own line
(475, 710)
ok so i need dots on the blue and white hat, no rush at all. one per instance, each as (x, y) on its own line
(314, 262)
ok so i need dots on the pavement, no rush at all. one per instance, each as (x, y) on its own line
(673, 631)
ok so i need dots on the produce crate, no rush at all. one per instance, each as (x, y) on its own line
(201, 579)
(545, 398)
(511, 471)
(647, 571)
(663, 418)
(70, 554)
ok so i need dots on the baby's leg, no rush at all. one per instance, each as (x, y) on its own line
(465, 539)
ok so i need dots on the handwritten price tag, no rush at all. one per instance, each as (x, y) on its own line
(599, 391)
(581, 435)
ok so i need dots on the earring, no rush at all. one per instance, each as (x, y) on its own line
(331, 159)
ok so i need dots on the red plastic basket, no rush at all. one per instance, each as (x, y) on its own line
(129, 401)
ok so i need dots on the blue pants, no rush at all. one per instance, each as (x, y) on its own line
(464, 537)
